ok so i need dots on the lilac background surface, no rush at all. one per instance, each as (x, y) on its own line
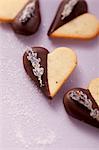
(27, 119)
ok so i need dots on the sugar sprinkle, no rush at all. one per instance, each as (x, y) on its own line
(68, 8)
(28, 13)
(82, 98)
(38, 71)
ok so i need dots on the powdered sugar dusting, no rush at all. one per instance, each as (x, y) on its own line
(47, 137)
(22, 107)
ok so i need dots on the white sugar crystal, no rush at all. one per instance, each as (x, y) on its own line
(82, 98)
(95, 114)
(68, 8)
(28, 12)
(37, 70)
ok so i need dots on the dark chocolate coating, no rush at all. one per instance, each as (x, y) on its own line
(79, 9)
(31, 25)
(79, 111)
(42, 54)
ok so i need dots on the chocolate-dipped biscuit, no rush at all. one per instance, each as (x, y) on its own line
(78, 7)
(48, 72)
(80, 104)
(28, 19)
(39, 55)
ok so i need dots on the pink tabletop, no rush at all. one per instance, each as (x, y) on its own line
(27, 119)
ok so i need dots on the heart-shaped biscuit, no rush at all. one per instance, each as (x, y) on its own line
(78, 7)
(49, 70)
(83, 104)
(28, 19)
(73, 21)
(23, 15)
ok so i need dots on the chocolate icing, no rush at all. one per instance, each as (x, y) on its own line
(31, 23)
(79, 111)
(79, 9)
(42, 54)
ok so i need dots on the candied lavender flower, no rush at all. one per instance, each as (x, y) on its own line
(82, 98)
(74, 96)
(28, 12)
(68, 8)
(95, 114)
(38, 71)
